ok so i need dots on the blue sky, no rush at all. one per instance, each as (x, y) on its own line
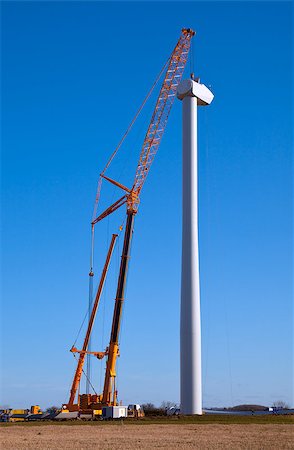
(73, 76)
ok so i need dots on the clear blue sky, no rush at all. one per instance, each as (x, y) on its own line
(73, 77)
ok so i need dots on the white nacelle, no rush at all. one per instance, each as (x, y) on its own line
(193, 89)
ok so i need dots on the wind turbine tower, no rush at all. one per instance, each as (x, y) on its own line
(192, 94)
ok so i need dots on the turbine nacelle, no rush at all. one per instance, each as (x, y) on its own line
(191, 88)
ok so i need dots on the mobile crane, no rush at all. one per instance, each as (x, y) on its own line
(174, 70)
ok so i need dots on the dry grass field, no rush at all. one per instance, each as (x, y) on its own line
(147, 436)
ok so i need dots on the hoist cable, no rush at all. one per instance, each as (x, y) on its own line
(208, 222)
(80, 329)
(99, 185)
(192, 56)
(124, 137)
(92, 249)
(87, 378)
(135, 118)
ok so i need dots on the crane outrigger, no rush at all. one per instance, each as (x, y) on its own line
(173, 75)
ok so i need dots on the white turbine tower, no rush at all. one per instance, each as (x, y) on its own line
(192, 94)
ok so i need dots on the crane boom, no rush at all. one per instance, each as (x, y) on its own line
(151, 143)
(167, 94)
(175, 69)
(162, 109)
(113, 352)
(79, 369)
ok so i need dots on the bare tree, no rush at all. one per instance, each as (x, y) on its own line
(148, 406)
(280, 404)
(151, 410)
(53, 409)
(167, 404)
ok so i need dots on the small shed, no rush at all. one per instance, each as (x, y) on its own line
(114, 412)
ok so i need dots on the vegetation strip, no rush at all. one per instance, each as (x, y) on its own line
(179, 420)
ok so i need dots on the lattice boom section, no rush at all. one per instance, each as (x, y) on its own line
(162, 109)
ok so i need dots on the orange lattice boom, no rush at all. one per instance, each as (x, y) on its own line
(167, 94)
(174, 67)
(162, 109)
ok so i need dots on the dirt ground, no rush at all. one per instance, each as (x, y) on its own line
(122, 436)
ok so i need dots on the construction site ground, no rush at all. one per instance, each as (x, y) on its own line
(208, 432)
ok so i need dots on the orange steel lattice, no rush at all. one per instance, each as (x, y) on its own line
(167, 94)
(173, 75)
(162, 109)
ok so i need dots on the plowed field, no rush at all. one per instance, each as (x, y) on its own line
(151, 436)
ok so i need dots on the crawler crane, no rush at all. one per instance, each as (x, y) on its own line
(174, 70)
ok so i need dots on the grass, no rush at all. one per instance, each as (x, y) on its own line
(177, 420)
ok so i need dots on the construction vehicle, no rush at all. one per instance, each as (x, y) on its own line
(135, 411)
(35, 409)
(18, 415)
(94, 403)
